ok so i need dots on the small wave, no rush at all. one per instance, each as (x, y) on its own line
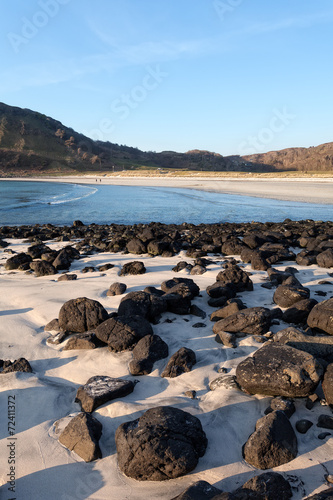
(71, 198)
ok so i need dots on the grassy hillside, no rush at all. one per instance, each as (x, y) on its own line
(34, 144)
(318, 158)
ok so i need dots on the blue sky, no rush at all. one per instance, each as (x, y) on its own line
(230, 76)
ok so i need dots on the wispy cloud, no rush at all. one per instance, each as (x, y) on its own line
(169, 50)
(54, 72)
(291, 22)
(119, 55)
(154, 51)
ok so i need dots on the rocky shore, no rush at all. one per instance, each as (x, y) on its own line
(171, 361)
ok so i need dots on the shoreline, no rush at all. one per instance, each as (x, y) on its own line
(309, 190)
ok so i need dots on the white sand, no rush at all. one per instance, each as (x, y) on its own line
(46, 470)
(312, 190)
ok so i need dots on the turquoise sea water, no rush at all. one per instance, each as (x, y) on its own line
(27, 202)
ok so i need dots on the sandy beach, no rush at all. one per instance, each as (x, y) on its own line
(44, 398)
(311, 190)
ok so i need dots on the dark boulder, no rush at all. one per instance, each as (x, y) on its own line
(180, 266)
(49, 256)
(116, 289)
(105, 267)
(147, 234)
(87, 340)
(251, 321)
(164, 443)
(63, 260)
(17, 260)
(82, 435)
(253, 240)
(82, 314)
(282, 404)
(303, 425)
(279, 370)
(52, 326)
(287, 295)
(3, 244)
(123, 332)
(273, 443)
(325, 421)
(67, 277)
(267, 486)
(277, 252)
(246, 254)
(321, 316)
(147, 305)
(218, 302)
(236, 277)
(325, 259)
(233, 246)
(196, 311)
(198, 270)
(278, 277)
(134, 268)
(320, 346)
(88, 269)
(259, 261)
(299, 312)
(153, 291)
(178, 299)
(36, 251)
(226, 338)
(157, 247)
(166, 286)
(180, 362)
(136, 246)
(101, 389)
(306, 257)
(323, 495)
(42, 268)
(220, 291)
(149, 349)
(232, 306)
(78, 223)
(19, 365)
(201, 490)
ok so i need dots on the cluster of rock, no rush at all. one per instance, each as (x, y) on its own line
(266, 486)
(86, 320)
(166, 442)
(261, 244)
(42, 260)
